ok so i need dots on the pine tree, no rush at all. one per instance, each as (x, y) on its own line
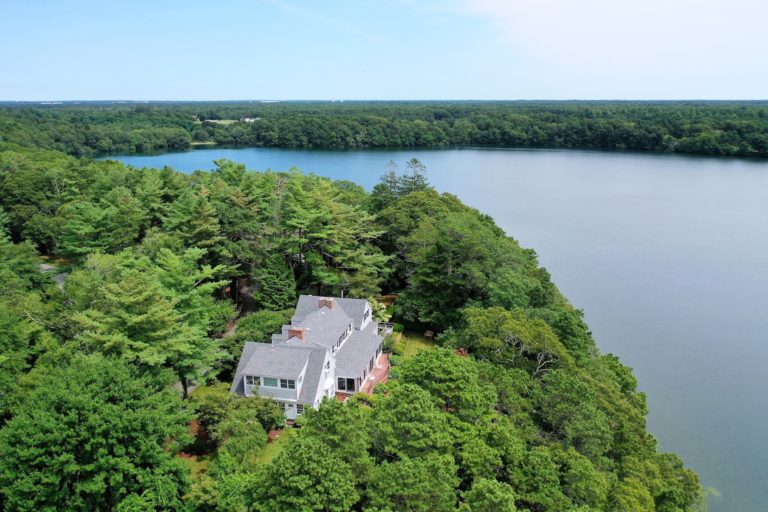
(193, 219)
(5, 220)
(82, 229)
(150, 192)
(193, 286)
(276, 285)
(89, 435)
(124, 218)
(387, 190)
(136, 319)
(307, 476)
(415, 179)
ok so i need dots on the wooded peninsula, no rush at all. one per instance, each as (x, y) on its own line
(126, 296)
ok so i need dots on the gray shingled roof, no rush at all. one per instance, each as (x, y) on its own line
(322, 327)
(276, 361)
(354, 308)
(245, 356)
(312, 377)
(356, 352)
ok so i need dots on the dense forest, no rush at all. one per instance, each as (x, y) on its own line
(119, 286)
(705, 128)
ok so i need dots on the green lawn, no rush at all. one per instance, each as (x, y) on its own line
(415, 342)
(198, 464)
(222, 121)
(274, 448)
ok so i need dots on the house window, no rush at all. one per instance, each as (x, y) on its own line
(269, 381)
(252, 380)
(345, 384)
(287, 384)
(366, 314)
(299, 408)
(281, 405)
(327, 365)
(344, 335)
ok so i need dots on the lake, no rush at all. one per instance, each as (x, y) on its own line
(666, 254)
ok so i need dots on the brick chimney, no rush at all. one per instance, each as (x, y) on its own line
(296, 332)
(326, 301)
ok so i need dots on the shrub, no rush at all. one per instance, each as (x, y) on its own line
(389, 343)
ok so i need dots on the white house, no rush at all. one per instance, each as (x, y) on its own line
(331, 346)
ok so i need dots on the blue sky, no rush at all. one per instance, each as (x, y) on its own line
(402, 49)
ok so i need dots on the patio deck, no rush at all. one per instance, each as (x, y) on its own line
(378, 375)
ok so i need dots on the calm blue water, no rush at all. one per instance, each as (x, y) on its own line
(667, 255)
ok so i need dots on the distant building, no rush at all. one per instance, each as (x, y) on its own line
(331, 346)
(250, 119)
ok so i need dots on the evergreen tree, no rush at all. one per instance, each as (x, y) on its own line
(276, 285)
(124, 219)
(5, 220)
(82, 229)
(151, 192)
(306, 476)
(407, 422)
(415, 180)
(193, 219)
(424, 484)
(345, 428)
(21, 342)
(89, 435)
(133, 317)
(387, 190)
(193, 286)
(489, 496)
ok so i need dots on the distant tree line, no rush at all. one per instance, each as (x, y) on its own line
(705, 128)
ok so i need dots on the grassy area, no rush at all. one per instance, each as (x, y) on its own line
(198, 464)
(274, 448)
(412, 342)
(222, 121)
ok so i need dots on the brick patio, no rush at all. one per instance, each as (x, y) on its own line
(379, 375)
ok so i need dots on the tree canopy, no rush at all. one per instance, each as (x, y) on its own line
(92, 434)
(730, 128)
(120, 287)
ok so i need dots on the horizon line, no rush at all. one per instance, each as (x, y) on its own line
(344, 100)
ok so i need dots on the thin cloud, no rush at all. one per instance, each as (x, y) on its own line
(671, 40)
